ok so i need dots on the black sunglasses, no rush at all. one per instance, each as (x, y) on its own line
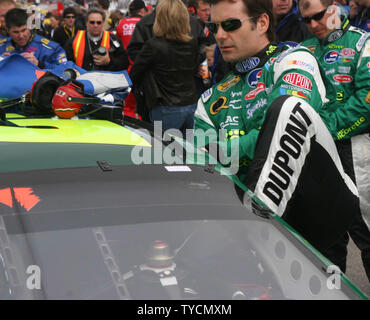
(70, 17)
(228, 25)
(317, 17)
(95, 22)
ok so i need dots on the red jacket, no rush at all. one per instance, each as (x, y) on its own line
(126, 28)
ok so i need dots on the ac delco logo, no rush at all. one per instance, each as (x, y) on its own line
(343, 78)
(346, 52)
(298, 80)
(255, 92)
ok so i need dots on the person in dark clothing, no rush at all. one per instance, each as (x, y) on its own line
(83, 48)
(68, 28)
(144, 31)
(289, 27)
(360, 14)
(171, 58)
(50, 28)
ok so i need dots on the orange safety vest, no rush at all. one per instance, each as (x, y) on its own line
(79, 43)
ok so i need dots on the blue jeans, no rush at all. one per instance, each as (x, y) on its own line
(175, 117)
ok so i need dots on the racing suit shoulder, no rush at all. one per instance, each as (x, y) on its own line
(45, 42)
(6, 46)
(297, 73)
(49, 52)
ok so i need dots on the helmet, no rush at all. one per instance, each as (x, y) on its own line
(43, 91)
(64, 108)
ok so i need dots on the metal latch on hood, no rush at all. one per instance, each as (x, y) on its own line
(104, 165)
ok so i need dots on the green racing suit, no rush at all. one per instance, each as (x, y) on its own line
(238, 103)
(267, 109)
(344, 56)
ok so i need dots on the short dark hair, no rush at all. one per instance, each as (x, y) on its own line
(104, 4)
(69, 10)
(255, 8)
(16, 17)
(95, 10)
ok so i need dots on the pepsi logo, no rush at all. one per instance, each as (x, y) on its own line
(331, 57)
(254, 76)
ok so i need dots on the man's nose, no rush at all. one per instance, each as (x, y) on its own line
(313, 23)
(220, 34)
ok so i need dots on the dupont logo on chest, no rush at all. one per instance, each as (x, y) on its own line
(343, 78)
(298, 80)
(346, 52)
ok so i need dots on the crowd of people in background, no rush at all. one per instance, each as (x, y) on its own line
(176, 52)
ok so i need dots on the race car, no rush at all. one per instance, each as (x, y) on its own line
(93, 209)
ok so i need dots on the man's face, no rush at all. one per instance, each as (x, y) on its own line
(95, 24)
(281, 7)
(322, 27)
(3, 10)
(241, 43)
(20, 35)
(203, 11)
(53, 22)
(69, 20)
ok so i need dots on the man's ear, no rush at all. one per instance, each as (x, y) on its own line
(263, 23)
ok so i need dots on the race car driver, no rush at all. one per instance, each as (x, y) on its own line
(36, 49)
(343, 53)
(266, 104)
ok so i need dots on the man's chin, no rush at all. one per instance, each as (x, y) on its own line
(229, 57)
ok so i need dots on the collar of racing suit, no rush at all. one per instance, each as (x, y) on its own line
(256, 61)
(337, 33)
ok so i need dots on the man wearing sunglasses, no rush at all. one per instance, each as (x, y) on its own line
(96, 49)
(343, 53)
(271, 131)
(68, 28)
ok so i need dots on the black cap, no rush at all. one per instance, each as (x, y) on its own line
(137, 5)
(68, 10)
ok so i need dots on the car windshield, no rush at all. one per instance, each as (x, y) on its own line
(146, 232)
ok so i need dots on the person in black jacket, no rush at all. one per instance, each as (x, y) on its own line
(96, 49)
(170, 59)
(144, 31)
(289, 27)
(67, 29)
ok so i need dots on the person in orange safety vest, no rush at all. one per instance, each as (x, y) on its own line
(96, 49)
